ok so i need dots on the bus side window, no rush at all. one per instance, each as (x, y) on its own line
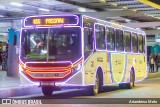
(127, 41)
(100, 37)
(134, 43)
(88, 40)
(119, 40)
(110, 39)
(143, 44)
(140, 44)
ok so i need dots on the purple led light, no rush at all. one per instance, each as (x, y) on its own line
(82, 48)
(95, 39)
(38, 16)
(38, 62)
(137, 31)
(114, 29)
(51, 62)
(115, 37)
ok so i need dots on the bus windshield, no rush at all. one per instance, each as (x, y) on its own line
(51, 43)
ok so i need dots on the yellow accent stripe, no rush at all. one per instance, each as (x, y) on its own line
(149, 3)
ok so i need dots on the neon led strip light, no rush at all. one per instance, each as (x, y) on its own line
(110, 51)
(39, 16)
(137, 31)
(45, 62)
(114, 51)
(52, 62)
(56, 26)
(115, 41)
(48, 77)
(82, 50)
(95, 38)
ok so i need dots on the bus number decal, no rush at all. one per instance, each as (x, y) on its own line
(37, 21)
(92, 63)
(99, 59)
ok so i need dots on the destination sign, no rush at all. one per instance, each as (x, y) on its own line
(51, 20)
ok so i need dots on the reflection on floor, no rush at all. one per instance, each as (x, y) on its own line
(6, 82)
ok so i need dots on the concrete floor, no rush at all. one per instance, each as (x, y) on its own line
(149, 88)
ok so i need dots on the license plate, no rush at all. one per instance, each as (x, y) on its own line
(47, 83)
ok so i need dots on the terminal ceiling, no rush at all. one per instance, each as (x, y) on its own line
(143, 14)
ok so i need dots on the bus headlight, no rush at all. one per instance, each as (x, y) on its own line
(21, 68)
(77, 68)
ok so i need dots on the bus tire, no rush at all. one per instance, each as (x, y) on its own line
(131, 83)
(47, 90)
(97, 88)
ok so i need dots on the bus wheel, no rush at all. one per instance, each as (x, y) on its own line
(132, 80)
(97, 88)
(47, 90)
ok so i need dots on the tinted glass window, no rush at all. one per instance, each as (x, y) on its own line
(119, 40)
(134, 43)
(127, 41)
(54, 43)
(144, 44)
(140, 43)
(88, 42)
(110, 39)
(100, 37)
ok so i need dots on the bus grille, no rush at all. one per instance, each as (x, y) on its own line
(48, 71)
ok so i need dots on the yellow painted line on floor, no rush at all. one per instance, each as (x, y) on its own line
(149, 3)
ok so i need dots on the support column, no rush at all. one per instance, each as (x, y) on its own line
(12, 55)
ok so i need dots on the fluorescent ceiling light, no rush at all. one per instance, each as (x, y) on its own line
(125, 7)
(102, 0)
(158, 27)
(114, 4)
(153, 27)
(1, 16)
(16, 4)
(127, 20)
(42, 9)
(134, 10)
(138, 28)
(82, 9)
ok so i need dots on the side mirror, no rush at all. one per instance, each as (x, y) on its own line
(15, 40)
